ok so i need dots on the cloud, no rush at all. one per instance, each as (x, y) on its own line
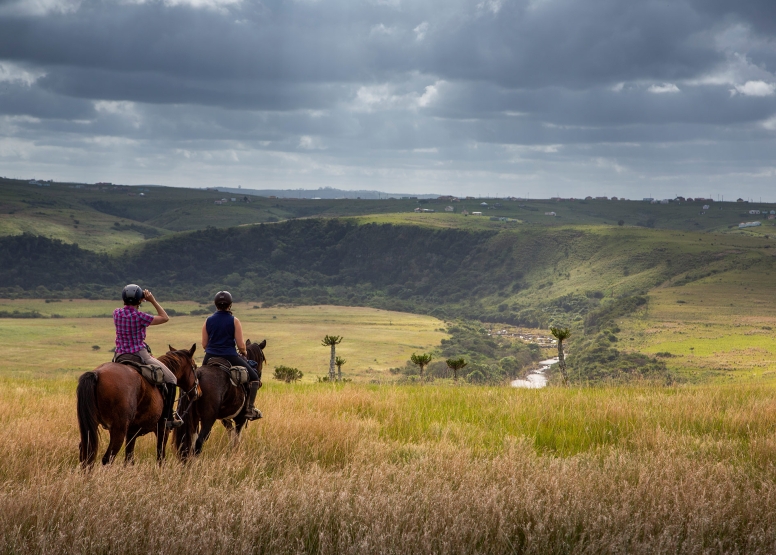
(664, 88)
(755, 88)
(439, 94)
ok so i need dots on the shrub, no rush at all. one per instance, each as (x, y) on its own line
(287, 374)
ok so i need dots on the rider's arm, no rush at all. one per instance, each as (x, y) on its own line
(204, 335)
(161, 316)
(238, 337)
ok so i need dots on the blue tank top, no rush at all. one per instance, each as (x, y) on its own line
(220, 334)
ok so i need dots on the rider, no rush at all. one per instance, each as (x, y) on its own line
(131, 327)
(220, 333)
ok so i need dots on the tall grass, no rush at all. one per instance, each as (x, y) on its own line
(415, 469)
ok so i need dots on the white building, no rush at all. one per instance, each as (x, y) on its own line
(550, 214)
(476, 213)
(449, 209)
(748, 224)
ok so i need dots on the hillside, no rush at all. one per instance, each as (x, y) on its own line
(108, 218)
(596, 280)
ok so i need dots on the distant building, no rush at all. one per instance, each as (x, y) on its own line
(748, 224)
(647, 199)
(705, 206)
(550, 214)
(739, 200)
(465, 212)
(754, 212)
(233, 199)
(602, 198)
(449, 209)
(665, 201)
(476, 213)
(483, 204)
(588, 198)
(772, 216)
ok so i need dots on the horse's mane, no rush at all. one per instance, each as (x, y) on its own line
(257, 352)
(175, 359)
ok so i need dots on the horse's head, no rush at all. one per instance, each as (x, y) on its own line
(181, 363)
(256, 352)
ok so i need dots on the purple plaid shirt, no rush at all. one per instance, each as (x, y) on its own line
(131, 327)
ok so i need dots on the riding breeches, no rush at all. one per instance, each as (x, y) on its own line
(236, 360)
(169, 377)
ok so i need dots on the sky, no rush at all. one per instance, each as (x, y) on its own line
(629, 98)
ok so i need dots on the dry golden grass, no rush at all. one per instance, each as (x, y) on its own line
(409, 469)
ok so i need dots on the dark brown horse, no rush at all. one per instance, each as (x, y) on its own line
(118, 398)
(219, 400)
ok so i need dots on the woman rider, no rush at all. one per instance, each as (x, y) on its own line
(131, 327)
(220, 334)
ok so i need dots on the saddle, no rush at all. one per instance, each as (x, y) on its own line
(150, 372)
(238, 375)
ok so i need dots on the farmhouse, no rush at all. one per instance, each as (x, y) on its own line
(748, 224)
(449, 209)
(476, 213)
(550, 214)
(705, 206)
(754, 211)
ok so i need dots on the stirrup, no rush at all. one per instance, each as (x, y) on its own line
(253, 414)
(176, 421)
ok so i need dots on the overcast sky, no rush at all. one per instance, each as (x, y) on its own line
(631, 98)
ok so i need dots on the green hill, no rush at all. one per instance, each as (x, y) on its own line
(109, 218)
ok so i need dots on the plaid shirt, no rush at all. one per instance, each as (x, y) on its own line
(131, 327)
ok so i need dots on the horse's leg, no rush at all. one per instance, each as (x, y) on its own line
(240, 422)
(161, 440)
(118, 434)
(204, 433)
(129, 449)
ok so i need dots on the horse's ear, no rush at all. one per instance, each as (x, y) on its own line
(247, 342)
(263, 344)
(193, 348)
(170, 347)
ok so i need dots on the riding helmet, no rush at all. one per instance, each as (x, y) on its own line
(223, 300)
(132, 294)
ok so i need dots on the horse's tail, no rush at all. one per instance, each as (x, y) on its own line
(86, 394)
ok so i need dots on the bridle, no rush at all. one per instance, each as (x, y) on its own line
(194, 392)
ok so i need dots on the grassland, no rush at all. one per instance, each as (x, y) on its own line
(409, 469)
(375, 340)
(365, 467)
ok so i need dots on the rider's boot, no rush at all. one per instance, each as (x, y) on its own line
(251, 412)
(172, 419)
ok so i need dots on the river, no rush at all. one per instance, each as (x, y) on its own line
(536, 378)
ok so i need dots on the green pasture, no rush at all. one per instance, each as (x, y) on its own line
(374, 340)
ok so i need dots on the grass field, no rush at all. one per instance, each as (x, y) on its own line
(409, 469)
(362, 468)
(375, 340)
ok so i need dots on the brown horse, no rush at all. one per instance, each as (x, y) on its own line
(220, 400)
(118, 398)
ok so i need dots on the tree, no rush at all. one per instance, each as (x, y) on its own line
(456, 364)
(339, 361)
(332, 341)
(561, 334)
(421, 361)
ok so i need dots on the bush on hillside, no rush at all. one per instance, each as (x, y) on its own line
(287, 374)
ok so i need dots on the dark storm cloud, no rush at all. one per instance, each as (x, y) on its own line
(448, 92)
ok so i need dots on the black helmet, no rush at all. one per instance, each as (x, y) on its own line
(223, 300)
(132, 294)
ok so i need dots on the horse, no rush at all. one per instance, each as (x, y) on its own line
(116, 397)
(219, 400)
